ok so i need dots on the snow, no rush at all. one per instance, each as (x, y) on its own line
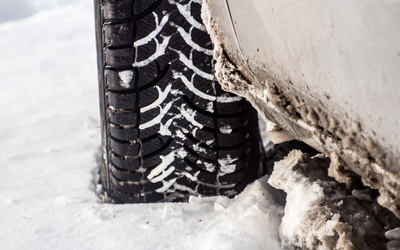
(226, 129)
(192, 88)
(188, 39)
(189, 63)
(160, 50)
(227, 164)
(301, 196)
(321, 214)
(50, 144)
(393, 234)
(126, 78)
(190, 115)
(162, 95)
(153, 34)
(157, 120)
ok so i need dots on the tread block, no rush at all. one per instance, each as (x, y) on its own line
(187, 183)
(122, 118)
(152, 187)
(154, 145)
(121, 197)
(117, 9)
(207, 191)
(146, 133)
(195, 153)
(125, 175)
(124, 134)
(126, 186)
(234, 177)
(243, 150)
(118, 34)
(232, 107)
(209, 178)
(115, 83)
(151, 162)
(121, 101)
(233, 139)
(119, 58)
(126, 149)
(127, 163)
(143, 6)
(209, 168)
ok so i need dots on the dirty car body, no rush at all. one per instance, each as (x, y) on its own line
(321, 72)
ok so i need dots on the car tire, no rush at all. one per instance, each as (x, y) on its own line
(168, 129)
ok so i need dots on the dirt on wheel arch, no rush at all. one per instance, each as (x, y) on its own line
(320, 213)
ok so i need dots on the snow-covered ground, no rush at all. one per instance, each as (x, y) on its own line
(49, 144)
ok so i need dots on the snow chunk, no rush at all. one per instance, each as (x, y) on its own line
(225, 129)
(393, 234)
(227, 99)
(302, 195)
(210, 142)
(176, 92)
(126, 78)
(227, 165)
(199, 149)
(209, 167)
(210, 107)
(361, 195)
(181, 153)
(319, 212)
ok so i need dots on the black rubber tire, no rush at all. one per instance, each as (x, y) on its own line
(168, 130)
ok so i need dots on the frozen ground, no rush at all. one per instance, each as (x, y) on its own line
(49, 139)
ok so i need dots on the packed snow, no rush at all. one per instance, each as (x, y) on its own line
(50, 144)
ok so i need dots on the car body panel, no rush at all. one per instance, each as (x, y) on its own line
(325, 71)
